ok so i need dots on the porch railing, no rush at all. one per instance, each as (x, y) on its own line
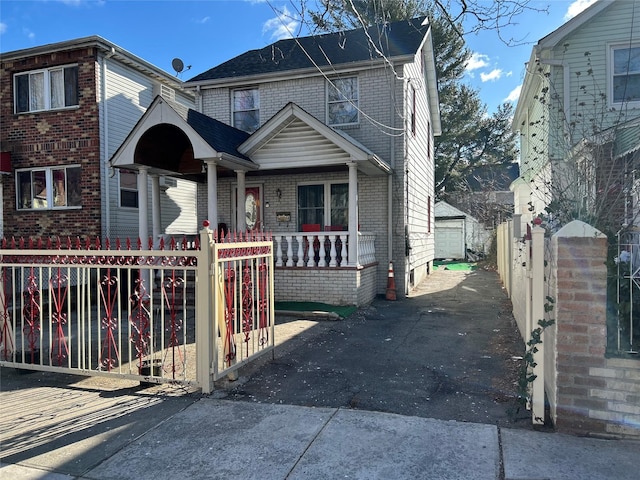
(321, 249)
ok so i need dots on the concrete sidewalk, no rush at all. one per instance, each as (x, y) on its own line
(213, 439)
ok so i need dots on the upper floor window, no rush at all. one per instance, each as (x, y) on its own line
(412, 110)
(342, 101)
(48, 188)
(128, 189)
(246, 109)
(47, 89)
(626, 74)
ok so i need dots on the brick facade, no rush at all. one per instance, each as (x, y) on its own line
(53, 138)
(593, 394)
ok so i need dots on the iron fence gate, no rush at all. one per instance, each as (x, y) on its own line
(184, 312)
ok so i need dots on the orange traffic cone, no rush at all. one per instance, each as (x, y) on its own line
(391, 284)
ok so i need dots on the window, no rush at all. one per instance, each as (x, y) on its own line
(342, 101)
(412, 110)
(312, 208)
(128, 189)
(626, 74)
(48, 188)
(47, 89)
(246, 109)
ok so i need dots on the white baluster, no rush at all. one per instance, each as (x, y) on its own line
(332, 260)
(322, 262)
(289, 251)
(278, 239)
(311, 250)
(300, 252)
(343, 251)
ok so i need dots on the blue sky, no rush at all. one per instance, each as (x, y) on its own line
(205, 33)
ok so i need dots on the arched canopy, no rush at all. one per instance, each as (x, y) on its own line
(171, 139)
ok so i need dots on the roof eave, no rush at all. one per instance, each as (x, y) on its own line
(295, 73)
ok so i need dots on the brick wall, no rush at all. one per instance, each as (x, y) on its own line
(343, 286)
(52, 138)
(594, 394)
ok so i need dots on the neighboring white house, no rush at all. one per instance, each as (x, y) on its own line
(577, 114)
(329, 140)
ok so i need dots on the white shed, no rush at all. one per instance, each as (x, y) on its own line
(457, 231)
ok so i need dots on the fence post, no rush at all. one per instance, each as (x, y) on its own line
(205, 337)
(537, 313)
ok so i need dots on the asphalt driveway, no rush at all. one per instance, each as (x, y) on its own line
(450, 351)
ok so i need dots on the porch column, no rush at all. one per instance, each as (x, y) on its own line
(353, 214)
(212, 193)
(143, 207)
(155, 209)
(241, 210)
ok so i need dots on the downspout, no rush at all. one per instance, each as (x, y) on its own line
(392, 122)
(105, 160)
(199, 107)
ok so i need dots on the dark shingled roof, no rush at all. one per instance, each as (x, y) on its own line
(222, 137)
(394, 39)
(493, 177)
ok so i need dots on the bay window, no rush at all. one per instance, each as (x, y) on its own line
(47, 89)
(48, 188)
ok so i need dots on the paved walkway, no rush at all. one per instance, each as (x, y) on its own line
(409, 389)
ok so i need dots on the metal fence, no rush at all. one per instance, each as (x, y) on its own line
(187, 313)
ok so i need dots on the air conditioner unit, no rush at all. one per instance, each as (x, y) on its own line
(167, 182)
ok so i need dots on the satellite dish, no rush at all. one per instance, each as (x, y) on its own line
(177, 65)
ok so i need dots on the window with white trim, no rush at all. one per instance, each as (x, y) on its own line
(48, 188)
(625, 70)
(128, 189)
(342, 101)
(246, 109)
(47, 89)
(314, 210)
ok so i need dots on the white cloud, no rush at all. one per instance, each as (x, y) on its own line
(3, 28)
(477, 60)
(493, 75)
(576, 7)
(203, 20)
(284, 25)
(514, 95)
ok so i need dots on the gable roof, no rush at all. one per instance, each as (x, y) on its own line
(396, 39)
(554, 38)
(106, 47)
(321, 145)
(496, 178)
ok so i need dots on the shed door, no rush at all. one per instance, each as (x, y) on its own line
(449, 237)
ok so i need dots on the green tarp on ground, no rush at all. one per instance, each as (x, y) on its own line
(454, 265)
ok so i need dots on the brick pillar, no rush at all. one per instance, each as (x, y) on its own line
(581, 315)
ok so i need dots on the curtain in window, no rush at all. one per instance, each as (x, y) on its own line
(36, 91)
(56, 78)
(343, 101)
